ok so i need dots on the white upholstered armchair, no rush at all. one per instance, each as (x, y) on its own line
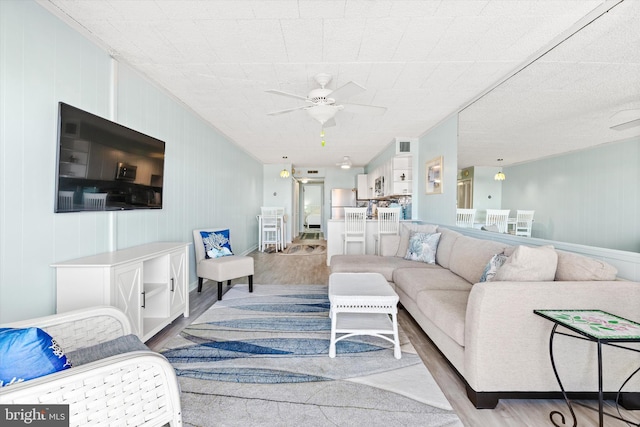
(136, 388)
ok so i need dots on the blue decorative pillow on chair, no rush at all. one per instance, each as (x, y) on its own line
(216, 243)
(28, 353)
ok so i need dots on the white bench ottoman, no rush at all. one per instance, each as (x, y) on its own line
(362, 304)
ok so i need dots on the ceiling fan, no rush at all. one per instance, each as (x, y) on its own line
(323, 104)
(345, 163)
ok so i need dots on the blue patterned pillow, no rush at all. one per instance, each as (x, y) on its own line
(492, 267)
(28, 353)
(422, 247)
(216, 243)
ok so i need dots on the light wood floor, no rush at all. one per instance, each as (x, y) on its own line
(312, 269)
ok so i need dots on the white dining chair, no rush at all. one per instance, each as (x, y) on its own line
(270, 227)
(465, 217)
(94, 201)
(524, 223)
(65, 200)
(388, 223)
(355, 225)
(499, 218)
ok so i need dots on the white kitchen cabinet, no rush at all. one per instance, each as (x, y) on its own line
(149, 283)
(362, 186)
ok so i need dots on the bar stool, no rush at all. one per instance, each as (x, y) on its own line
(388, 223)
(355, 224)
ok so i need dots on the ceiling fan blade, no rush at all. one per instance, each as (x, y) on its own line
(275, 113)
(346, 91)
(329, 123)
(365, 109)
(290, 95)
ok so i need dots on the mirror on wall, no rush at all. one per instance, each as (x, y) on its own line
(576, 96)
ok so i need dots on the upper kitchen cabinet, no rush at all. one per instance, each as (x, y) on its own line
(74, 157)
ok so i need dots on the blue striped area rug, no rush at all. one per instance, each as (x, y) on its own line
(261, 359)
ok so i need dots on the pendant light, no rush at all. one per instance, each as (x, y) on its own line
(500, 175)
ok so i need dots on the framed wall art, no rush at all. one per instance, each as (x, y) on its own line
(434, 176)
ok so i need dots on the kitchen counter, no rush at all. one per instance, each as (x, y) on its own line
(335, 245)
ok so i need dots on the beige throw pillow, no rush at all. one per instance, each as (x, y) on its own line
(575, 267)
(529, 264)
(405, 235)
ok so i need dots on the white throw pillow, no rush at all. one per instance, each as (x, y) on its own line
(492, 267)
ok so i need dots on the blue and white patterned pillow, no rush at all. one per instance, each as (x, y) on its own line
(492, 267)
(216, 243)
(28, 353)
(422, 247)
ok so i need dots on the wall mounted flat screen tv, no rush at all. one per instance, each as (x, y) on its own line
(102, 165)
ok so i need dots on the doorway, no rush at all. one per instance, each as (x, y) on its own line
(311, 207)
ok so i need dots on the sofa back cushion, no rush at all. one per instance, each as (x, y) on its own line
(389, 244)
(445, 246)
(579, 267)
(470, 256)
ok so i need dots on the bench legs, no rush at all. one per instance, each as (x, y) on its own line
(200, 280)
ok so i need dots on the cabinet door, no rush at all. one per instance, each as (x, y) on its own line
(178, 282)
(128, 293)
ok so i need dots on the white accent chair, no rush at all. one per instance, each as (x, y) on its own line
(524, 223)
(388, 223)
(94, 201)
(499, 218)
(355, 226)
(137, 388)
(65, 200)
(220, 269)
(465, 217)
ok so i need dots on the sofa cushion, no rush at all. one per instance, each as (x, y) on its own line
(470, 256)
(405, 235)
(422, 247)
(412, 281)
(28, 353)
(578, 267)
(529, 264)
(371, 264)
(447, 309)
(445, 245)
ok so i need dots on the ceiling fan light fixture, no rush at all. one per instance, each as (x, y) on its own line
(346, 163)
(323, 112)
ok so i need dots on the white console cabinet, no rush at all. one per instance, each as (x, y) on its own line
(150, 283)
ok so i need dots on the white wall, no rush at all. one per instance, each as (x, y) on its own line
(590, 197)
(43, 62)
(487, 192)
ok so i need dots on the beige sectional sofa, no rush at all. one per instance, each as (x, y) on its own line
(488, 331)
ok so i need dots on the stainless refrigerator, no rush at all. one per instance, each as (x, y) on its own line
(342, 198)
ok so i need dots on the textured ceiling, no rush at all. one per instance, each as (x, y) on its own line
(422, 60)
